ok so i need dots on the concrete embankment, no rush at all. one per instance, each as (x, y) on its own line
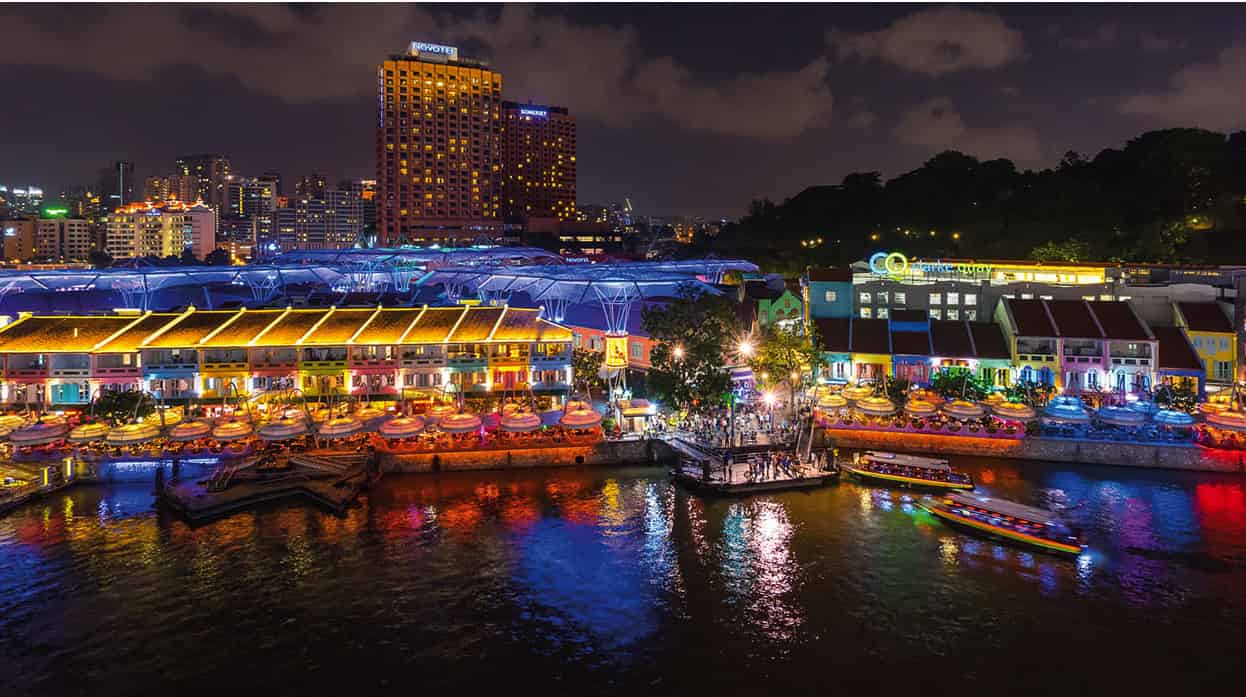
(603, 454)
(1184, 456)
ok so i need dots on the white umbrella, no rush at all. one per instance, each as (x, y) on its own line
(1066, 408)
(852, 394)
(232, 430)
(876, 406)
(39, 433)
(12, 421)
(580, 418)
(1228, 420)
(283, 429)
(459, 423)
(369, 416)
(1013, 410)
(132, 434)
(919, 407)
(1120, 416)
(576, 405)
(402, 427)
(190, 430)
(341, 427)
(438, 413)
(521, 422)
(85, 433)
(1172, 417)
(832, 401)
(963, 410)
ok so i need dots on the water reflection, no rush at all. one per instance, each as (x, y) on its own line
(621, 575)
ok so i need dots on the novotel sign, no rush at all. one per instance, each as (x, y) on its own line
(418, 47)
(896, 265)
(539, 113)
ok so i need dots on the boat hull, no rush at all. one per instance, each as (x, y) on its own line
(1006, 534)
(901, 480)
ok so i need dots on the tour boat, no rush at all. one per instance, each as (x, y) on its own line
(1007, 520)
(908, 470)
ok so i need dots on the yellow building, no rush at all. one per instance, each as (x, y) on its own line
(1211, 332)
(438, 146)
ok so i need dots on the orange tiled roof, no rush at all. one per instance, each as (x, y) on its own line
(339, 326)
(61, 334)
(477, 324)
(388, 326)
(434, 325)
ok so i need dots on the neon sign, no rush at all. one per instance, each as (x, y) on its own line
(895, 265)
(539, 113)
(451, 52)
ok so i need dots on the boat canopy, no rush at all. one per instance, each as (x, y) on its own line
(1006, 507)
(929, 463)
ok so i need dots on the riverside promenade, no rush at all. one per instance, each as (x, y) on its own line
(1171, 456)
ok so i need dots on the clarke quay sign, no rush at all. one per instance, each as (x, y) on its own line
(421, 47)
(895, 265)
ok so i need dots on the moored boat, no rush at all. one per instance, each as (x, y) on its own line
(907, 470)
(1007, 520)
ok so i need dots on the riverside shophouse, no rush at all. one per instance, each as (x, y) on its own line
(384, 353)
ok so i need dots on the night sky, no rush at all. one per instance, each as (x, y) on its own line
(686, 110)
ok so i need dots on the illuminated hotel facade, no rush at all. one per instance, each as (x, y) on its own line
(538, 161)
(388, 353)
(438, 147)
(160, 230)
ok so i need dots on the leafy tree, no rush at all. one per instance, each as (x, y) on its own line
(1180, 397)
(586, 367)
(955, 383)
(100, 259)
(217, 257)
(1072, 251)
(897, 390)
(782, 353)
(119, 406)
(694, 333)
(1029, 392)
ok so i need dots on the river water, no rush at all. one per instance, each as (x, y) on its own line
(594, 582)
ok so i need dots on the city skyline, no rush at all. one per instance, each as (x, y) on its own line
(783, 98)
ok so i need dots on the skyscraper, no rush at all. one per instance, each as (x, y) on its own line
(117, 185)
(538, 162)
(310, 186)
(438, 134)
(210, 171)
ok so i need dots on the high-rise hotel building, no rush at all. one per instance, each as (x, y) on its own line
(538, 162)
(438, 147)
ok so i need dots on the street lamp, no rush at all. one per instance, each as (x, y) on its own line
(679, 353)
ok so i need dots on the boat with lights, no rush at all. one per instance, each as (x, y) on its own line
(907, 470)
(1007, 520)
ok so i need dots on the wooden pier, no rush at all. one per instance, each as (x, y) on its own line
(705, 470)
(328, 479)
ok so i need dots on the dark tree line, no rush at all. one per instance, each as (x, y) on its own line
(1175, 195)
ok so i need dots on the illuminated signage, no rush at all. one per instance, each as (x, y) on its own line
(539, 113)
(10, 232)
(895, 265)
(55, 212)
(419, 47)
(616, 352)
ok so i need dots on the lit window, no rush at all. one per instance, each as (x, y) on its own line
(971, 299)
(936, 314)
(866, 313)
(953, 298)
(900, 300)
(1045, 297)
(953, 313)
(1106, 297)
(883, 313)
(971, 315)
(865, 299)
(936, 298)
(1027, 296)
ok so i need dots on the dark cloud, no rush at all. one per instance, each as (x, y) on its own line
(936, 41)
(936, 125)
(1115, 35)
(1204, 94)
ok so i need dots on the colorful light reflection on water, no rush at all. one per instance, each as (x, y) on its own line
(614, 581)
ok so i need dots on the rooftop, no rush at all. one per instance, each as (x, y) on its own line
(1175, 351)
(1205, 317)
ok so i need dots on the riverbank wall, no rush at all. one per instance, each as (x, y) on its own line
(1182, 456)
(618, 453)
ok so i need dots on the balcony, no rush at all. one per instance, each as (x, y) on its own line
(158, 361)
(274, 359)
(27, 365)
(70, 365)
(229, 359)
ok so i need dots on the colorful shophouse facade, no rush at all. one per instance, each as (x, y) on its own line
(414, 353)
